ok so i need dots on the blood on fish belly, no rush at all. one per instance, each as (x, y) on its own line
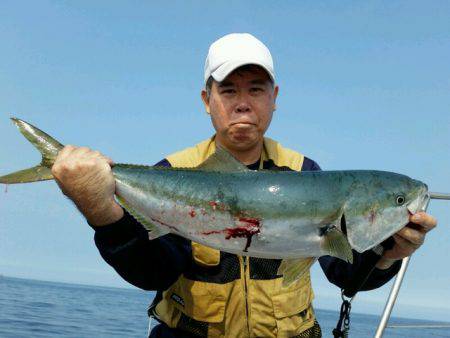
(248, 228)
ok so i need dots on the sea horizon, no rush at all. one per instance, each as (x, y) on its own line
(131, 287)
(129, 304)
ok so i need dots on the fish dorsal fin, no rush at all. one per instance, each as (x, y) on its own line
(336, 244)
(293, 268)
(222, 161)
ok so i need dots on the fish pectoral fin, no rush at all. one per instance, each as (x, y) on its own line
(222, 161)
(154, 231)
(293, 269)
(336, 244)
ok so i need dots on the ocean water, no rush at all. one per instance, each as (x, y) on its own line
(30, 308)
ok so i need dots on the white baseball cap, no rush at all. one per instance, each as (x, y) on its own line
(233, 51)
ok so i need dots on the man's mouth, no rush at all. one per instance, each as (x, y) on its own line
(242, 124)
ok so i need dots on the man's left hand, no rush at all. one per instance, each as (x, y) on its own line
(408, 239)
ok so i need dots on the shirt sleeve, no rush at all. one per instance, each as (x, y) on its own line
(339, 272)
(148, 264)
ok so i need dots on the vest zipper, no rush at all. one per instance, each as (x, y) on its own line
(247, 315)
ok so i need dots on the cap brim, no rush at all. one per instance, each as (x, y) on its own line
(225, 69)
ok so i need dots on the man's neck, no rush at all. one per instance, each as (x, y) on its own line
(248, 156)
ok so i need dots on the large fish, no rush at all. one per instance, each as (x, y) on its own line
(267, 214)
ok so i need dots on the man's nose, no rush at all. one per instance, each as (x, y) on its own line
(243, 107)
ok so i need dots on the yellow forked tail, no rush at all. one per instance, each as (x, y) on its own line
(47, 146)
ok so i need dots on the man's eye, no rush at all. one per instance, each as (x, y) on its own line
(256, 89)
(228, 91)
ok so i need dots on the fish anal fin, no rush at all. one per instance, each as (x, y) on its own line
(293, 269)
(336, 244)
(154, 231)
(222, 161)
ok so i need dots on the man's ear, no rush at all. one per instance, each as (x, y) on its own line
(275, 95)
(205, 100)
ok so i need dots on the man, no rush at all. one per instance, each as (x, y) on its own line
(201, 291)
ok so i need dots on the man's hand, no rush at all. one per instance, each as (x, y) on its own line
(85, 177)
(408, 239)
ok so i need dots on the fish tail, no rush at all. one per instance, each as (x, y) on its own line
(47, 146)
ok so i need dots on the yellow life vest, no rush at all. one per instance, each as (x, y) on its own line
(242, 303)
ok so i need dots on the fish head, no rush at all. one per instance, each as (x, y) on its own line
(380, 207)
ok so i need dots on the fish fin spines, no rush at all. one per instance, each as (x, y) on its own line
(47, 146)
(336, 244)
(222, 161)
(154, 231)
(293, 269)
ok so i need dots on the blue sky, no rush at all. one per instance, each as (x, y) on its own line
(363, 85)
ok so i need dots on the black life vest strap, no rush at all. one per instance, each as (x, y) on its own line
(343, 325)
(151, 309)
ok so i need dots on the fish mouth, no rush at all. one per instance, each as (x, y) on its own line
(421, 202)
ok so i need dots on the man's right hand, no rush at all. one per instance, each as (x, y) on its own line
(85, 176)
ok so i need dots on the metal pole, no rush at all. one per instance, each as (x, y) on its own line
(392, 298)
(399, 279)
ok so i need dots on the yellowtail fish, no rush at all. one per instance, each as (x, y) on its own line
(268, 214)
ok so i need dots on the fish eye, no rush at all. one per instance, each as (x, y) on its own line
(400, 199)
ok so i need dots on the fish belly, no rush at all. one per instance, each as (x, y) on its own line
(219, 229)
(243, 215)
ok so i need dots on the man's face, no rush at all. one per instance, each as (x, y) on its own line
(241, 107)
